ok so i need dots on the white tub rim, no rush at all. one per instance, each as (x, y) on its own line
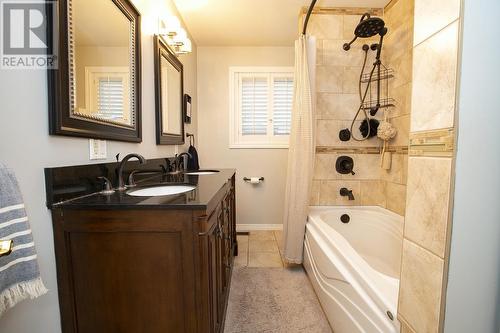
(384, 288)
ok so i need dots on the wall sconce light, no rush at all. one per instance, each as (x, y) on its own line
(169, 26)
(174, 35)
(179, 38)
(185, 48)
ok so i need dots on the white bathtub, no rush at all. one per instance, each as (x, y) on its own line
(354, 267)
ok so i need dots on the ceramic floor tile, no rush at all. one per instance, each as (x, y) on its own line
(278, 234)
(241, 259)
(261, 235)
(262, 245)
(264, 259)
(242, 240)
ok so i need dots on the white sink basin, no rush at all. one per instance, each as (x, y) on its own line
(157, 191)
(202, 172)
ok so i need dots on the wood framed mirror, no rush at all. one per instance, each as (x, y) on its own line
(96, 91)
(169, 90)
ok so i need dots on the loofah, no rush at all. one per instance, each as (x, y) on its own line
(386, 131)
(363, 128)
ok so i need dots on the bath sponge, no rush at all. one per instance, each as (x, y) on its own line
(386, 131)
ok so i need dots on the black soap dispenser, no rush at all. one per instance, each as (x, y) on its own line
(345, 165)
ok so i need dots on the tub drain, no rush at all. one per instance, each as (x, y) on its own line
(345, 218)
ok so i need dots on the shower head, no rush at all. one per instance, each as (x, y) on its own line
(370, 27)
(367, 27)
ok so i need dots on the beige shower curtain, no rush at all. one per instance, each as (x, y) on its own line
(301, 151)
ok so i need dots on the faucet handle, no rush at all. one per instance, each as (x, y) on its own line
(131, 181)
(107, 186)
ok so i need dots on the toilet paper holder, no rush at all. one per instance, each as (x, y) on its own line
(249, 180)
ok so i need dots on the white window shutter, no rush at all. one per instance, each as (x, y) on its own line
(110, 97)
(254, 105)
(282, 105)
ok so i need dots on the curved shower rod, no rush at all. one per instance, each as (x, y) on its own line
(311, 7)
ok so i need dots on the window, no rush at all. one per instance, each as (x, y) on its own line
(107, 93)
(110, 102)
(260, 107)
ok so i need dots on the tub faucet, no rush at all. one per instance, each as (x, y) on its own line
(346, 193)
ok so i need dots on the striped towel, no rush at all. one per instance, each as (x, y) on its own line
(19, 274)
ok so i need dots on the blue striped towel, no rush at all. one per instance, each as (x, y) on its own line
(19, 274)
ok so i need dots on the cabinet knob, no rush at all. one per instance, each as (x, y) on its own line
(6, 247)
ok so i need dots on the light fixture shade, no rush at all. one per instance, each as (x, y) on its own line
(186, 47)
(180, 38)
(170, 26)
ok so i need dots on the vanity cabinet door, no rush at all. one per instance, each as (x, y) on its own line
(221, 263)
(210, 275)
(125, 271)
(227, 237)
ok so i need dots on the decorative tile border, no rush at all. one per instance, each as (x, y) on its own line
(439, 143)
(361, 150)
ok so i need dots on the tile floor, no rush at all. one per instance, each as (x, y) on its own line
(260, 249)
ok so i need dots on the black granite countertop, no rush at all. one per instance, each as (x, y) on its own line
(207, 186)
(77, 188)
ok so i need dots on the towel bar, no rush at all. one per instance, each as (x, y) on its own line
(5, 247)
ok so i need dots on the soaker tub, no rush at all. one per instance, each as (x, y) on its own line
(354, 267)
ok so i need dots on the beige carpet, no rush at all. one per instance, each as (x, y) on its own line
(273, 300)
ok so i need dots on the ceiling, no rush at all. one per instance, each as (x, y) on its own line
(100, 23)
(251, 22)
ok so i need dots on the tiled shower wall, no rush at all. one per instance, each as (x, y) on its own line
(430, 168)
(422, 46)
(398, 45)
(337, 100)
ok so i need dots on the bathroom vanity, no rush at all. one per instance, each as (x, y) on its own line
(143, 264)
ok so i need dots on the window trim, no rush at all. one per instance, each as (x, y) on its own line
(234, 117)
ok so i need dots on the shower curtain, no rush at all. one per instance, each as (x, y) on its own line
(301, 152)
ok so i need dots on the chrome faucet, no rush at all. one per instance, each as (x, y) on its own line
(346, 193)
(121, 183)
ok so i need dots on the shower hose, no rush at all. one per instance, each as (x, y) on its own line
(362, 97)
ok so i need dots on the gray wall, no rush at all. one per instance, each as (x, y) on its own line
(474, 275)
(257, 204)
(26, 147)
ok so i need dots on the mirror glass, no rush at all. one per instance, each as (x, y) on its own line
(171, 92)
(101, 63)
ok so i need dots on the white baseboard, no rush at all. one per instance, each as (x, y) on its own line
(254, 227)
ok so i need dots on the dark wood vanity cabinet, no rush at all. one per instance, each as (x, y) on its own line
(145, 270)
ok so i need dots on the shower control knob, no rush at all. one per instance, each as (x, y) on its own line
(344, 165)
(345, 135)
